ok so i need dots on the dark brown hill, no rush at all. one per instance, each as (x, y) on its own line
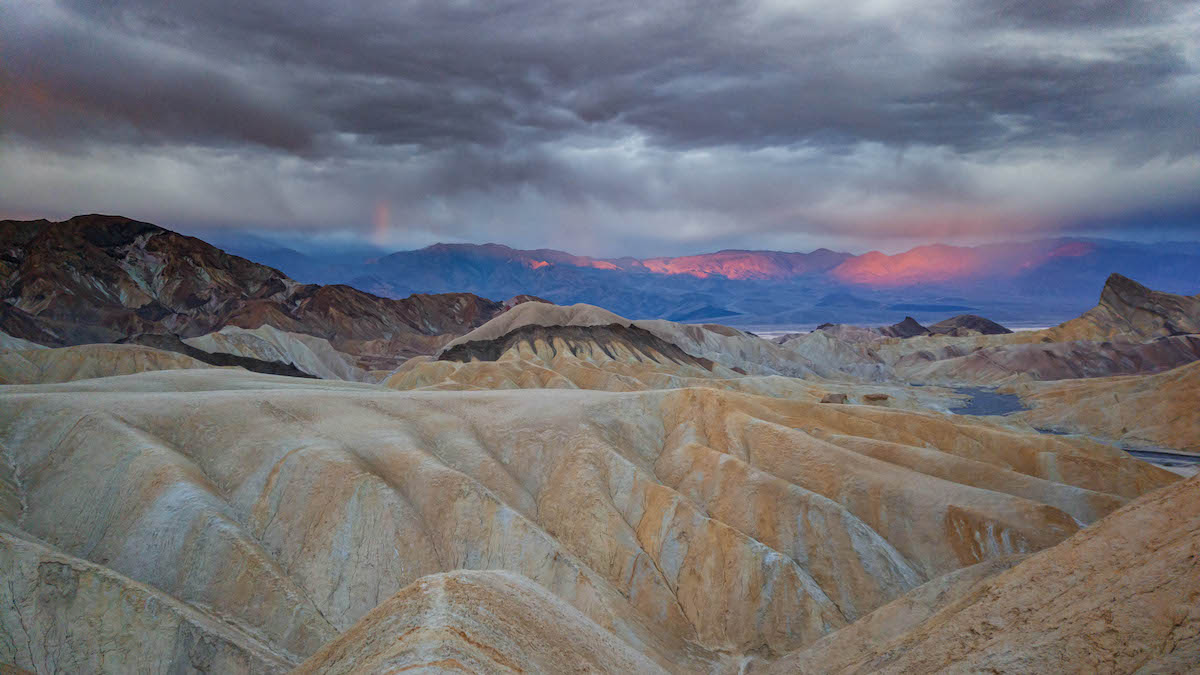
(98, 278)
(907, 328)
(967, 322)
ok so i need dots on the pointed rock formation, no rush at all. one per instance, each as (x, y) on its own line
(1128, 311)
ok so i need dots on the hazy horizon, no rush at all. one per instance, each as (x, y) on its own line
(351, 241)
(339, 241)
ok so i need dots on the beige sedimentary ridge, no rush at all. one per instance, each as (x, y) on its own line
(700, 527)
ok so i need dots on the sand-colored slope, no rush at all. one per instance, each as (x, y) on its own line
(190, 380)
(60, 614)
(1161, 410)
(1122, 596)
(523, 369)
(840, 649)
(66, 364)
(692, 524)
(478, 622)
(591, 357)
(528, 371)
(539, 314)
(311, 354)
(726, 346)
(626, 358)
(1045, 361)
(747, 353)
(611, 357)
(8, 342)
(530, 351)
(832, 354)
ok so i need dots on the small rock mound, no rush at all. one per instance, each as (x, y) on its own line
(522, 299)
(907, 328)
(958, 325)
(173, 343)
(538, 314)
(849, 333)
(613, 341)
(304, 354)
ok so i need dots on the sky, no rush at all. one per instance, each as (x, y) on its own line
(609, 127)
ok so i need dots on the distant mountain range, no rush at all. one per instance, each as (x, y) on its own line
(1037, 282)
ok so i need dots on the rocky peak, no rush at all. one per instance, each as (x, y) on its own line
(523, 298)
(1121, 292)
(1148, 313)
(108, 231)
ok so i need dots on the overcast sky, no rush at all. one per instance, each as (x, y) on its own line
(609, 127)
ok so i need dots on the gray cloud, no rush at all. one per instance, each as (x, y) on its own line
(1069, 15)
(620, 125)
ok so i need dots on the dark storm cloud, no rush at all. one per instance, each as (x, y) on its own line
(1052, 14)
(1123, 93)
(668, 124)
(65, 78)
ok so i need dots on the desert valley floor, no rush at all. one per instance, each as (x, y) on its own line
(206, 466)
